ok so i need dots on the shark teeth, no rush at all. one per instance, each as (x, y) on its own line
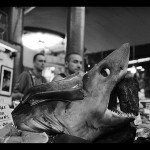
(122, 114)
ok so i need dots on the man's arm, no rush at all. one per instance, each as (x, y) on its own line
(18, 90)
(44, 79)
(58, 77)
(17, 96)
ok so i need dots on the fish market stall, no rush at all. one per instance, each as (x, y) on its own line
(143, 128)
(7, 54)
(145, 114)
(81, 108)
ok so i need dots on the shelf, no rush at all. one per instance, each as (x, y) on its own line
(145, 100)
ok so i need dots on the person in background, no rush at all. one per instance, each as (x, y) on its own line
(30, 78)
(73, 64)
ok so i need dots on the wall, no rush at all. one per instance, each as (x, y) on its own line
(5, 60)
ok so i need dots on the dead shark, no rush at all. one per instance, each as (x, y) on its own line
(78, 104)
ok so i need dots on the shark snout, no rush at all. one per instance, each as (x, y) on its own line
(120, 57)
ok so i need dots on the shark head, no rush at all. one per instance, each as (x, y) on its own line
(98, 84)
(78, 104)
(102, 78)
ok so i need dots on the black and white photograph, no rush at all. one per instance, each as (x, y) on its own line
(6, 80)
(75, 74)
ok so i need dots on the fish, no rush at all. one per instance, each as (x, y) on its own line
(126, 92)
(78, 104)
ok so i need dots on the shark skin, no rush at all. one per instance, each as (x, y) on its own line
(84, 111)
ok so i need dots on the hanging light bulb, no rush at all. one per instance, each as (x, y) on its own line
(133, 70)
(139, 67)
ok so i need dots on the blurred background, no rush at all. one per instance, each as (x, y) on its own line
(28, 30)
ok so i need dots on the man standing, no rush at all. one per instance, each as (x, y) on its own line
(73, 64)
(30, 78)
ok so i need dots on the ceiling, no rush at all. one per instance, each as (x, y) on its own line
(106, 28)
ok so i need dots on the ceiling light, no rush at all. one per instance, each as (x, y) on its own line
(142, 69)
(132, 69)
(139, 67)
(139, 60)
(39, 40)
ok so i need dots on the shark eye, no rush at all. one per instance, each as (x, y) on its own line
(105, 72)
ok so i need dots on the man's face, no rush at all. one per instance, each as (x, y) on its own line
(75, 63)
(39, 63)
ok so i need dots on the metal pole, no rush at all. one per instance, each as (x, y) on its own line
(16, 29)
(75, 30)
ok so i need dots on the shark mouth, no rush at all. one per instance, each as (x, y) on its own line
(122, 114)
(124, 100)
